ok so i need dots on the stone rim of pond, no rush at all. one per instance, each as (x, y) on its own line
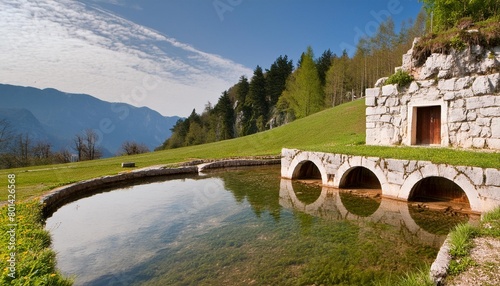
(59, 196)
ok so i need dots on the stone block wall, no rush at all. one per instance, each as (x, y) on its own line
(398, 177)
(468, 95)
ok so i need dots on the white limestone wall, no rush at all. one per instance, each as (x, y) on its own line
(470, 111)
(398, 177)
(465, 83)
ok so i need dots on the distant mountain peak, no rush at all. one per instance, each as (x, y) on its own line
(58, 116)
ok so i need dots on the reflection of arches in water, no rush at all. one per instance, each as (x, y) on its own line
(330, 206)
(307, 170)
(322, 207)
(362, 206)
(438, 189)
(359, 177)
(306, 193)
(432, 220)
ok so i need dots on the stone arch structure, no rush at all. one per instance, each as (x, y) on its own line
(398, 177)
(349, 165)
(359, 177)
(443, 171)
(293, 170)
(438, 188)
(307, 170)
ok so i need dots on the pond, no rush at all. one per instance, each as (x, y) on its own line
(242, 226)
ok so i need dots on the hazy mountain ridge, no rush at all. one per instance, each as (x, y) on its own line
(60, 116)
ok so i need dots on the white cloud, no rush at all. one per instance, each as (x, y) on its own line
(76, 48)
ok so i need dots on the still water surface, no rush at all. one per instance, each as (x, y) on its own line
(241, 227)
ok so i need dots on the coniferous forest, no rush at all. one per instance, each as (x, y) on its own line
(287, 91)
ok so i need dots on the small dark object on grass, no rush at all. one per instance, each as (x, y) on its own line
(128, 164)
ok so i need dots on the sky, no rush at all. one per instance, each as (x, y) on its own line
(173, 55)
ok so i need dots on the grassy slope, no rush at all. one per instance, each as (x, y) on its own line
(337, 130)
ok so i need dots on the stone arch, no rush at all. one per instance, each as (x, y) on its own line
(306, 159)
(446, 172)
(306, 170)
(371, 166)
(359, 177)
(439, 188)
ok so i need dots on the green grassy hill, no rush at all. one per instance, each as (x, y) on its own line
(336, 130)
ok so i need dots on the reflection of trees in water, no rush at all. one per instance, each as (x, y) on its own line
(257, 185)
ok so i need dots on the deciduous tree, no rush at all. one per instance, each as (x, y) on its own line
(303, 92)
(133, 148)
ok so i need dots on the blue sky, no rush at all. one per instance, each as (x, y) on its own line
(172, 55)
(256, 32)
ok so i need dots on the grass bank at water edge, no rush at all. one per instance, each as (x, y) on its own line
(27, 258)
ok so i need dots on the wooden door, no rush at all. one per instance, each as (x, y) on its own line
(428, 125)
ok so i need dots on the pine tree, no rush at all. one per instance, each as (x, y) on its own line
(225, 118)
(323, 64)
(243, 111)
(276, 78)
(256, 101)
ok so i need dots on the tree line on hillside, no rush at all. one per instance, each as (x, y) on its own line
(22, 150)
(284, 92)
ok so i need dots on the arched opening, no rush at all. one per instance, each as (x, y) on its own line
(307, 171)
(364, 193)
(360, 178)
(308, 180)
(437, 189)
(434, 197)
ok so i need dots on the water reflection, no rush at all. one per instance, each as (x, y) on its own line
(335, 204)
(243, 226)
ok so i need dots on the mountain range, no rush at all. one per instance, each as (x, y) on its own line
(57, 117)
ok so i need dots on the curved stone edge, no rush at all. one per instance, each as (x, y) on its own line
(58, 196)
(439, 267)
(237, 163)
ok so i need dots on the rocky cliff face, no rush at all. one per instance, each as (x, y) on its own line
(463, 86)
(456, 63)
